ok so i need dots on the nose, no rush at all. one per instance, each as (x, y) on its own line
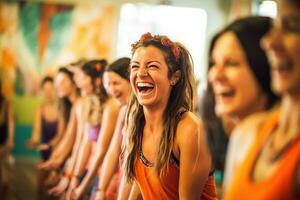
(142, 72)
(216, 73)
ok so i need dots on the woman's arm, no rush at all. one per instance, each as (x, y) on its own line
(64, 147)
(124, 188)
(69, 167)
(36, 131)
(11, 126)
(111, 160)
(110, 115)
(195, 159)
(135, 192)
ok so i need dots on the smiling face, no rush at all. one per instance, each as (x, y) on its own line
(63, 85)
(282, 46)
(149, 77)
(117, 86)
(236, 90)
(48, 90)
(86, 83)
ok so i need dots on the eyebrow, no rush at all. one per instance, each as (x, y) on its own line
(136, 62)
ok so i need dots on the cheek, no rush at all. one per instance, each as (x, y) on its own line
(132, 80)
(211, 74)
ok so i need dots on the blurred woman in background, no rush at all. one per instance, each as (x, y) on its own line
(98, 129)
(116, 82)
(271, 169)
(7, 128)
(48, 122)
(239, 86)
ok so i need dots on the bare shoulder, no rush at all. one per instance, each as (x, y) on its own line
(189, 124)
(112, 104)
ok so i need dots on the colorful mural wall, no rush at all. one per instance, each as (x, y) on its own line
(37, 38)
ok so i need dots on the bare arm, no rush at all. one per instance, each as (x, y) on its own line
(135, 192)
(124, 188)
(65, 146)
(11, 125)
(195, 160)
(70, 164)
(110, 115)
(111, 160)
(36, 132)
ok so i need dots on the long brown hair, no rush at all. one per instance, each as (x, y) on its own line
(177, 58)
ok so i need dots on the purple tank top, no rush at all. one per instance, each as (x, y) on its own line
(93, 132)
(49, 129)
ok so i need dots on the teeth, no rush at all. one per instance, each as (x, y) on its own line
(144, 85)
(219, 90)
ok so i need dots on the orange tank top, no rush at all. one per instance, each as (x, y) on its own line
(277, 186)
(154, 187)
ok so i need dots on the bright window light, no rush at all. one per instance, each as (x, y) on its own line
(186, 25)
(268, 8)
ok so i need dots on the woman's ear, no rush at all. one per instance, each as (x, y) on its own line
(175, 77)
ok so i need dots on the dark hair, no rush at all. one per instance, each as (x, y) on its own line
(216, 134)
(1, 94)
(95, 69)
(78, 63)
(46, 79)
(65, 103)
(121, 67)
(67, 72)
(249, 31)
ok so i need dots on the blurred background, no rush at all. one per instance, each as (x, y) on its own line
(37, 37)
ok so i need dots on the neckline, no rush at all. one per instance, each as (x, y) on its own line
(144, 160)
(258, 153)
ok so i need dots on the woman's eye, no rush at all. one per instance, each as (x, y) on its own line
(232, 63)
(152, 67)
(134, 67)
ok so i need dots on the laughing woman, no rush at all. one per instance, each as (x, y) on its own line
(167, 154)
(271, 169)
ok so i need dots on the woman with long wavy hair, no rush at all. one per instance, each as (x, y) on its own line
(167, 155)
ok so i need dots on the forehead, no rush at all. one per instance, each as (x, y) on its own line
(60, 77)
(111, 76)
(148, 54)
(48, 84)
(227, 44)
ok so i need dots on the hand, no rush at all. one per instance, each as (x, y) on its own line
(73, 184)
(43, 147)
(76, 194)
(60, 187)
(49, 164)
(31, 144)
(9, 145)
(52, 179)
